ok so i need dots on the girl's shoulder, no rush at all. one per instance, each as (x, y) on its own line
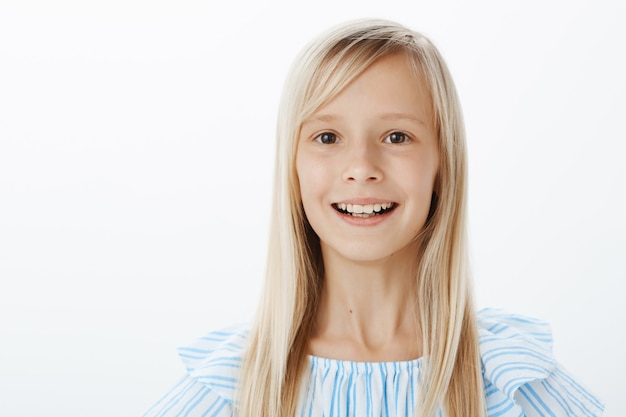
(208, 388)
(215, 358)
(521, 373)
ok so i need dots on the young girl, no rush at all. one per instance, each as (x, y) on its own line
(367, 308)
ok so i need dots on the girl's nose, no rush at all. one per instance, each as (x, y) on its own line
(362, 164)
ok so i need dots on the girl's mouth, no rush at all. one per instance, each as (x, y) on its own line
(364, 210)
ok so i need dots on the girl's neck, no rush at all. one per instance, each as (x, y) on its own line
(367, 310)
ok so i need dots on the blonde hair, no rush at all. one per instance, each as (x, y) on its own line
(273, 365)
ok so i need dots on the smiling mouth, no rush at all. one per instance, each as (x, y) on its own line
(364, 210)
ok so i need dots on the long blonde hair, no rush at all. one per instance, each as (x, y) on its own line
(273, 364)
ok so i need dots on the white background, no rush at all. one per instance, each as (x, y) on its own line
(136, 155)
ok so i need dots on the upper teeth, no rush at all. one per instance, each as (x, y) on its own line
(365, 208)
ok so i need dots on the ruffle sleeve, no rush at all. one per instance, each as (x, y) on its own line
(213, 362)
(215, 359)
(521, 375)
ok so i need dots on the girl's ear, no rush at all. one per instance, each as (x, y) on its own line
(433, 206)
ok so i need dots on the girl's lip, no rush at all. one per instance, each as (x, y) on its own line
(365, 211)
(364, 219)
(363, 201)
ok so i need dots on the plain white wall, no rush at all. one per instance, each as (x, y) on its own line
(136, 154)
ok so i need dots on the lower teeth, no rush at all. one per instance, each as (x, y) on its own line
(364, 215)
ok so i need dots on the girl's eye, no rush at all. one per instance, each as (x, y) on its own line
(397, 137)
(326, 138)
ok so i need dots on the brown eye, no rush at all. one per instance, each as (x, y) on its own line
(397, 137)
(326, 138)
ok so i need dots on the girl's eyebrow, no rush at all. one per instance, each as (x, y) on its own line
(325, 118)
(402, 116)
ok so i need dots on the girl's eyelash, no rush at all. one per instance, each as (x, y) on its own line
(398, 137)
(326, 138)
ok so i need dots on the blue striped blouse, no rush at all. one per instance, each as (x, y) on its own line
(520, 374)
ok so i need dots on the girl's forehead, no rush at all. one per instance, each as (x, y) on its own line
(389, 88)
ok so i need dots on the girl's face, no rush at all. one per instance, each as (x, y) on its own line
(367, 162)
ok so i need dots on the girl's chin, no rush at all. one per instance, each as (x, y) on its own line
(367, 253)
